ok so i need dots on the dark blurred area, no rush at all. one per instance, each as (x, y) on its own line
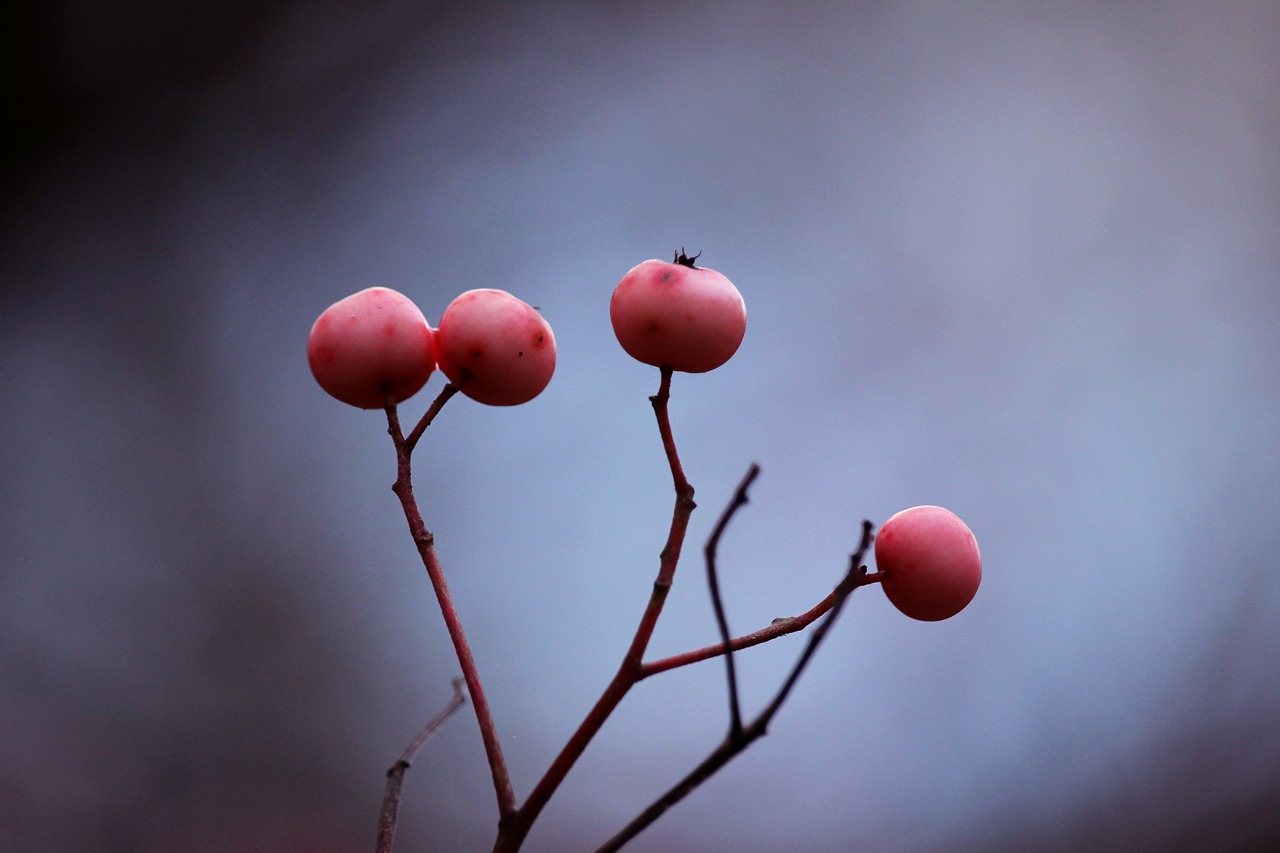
(1022, 261)
(68, 67)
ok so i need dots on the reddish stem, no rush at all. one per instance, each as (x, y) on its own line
(777, 628)
(513, 828)
(425, 542)
(740, 738)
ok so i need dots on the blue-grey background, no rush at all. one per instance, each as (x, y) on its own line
(1022, 260)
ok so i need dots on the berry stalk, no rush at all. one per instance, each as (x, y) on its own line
(425, 542)
(513, 830)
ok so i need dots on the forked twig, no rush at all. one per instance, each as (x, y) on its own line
(514, 822)
(736, 742)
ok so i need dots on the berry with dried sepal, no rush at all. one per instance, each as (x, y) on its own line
(678, 315)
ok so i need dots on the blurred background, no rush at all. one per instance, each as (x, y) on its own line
(1021, 260)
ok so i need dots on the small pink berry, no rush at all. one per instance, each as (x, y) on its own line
(498, 349)
(930, 562)
(369, 343)
(677, 315)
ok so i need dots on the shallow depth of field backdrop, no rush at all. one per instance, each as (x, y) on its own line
(1021, 261)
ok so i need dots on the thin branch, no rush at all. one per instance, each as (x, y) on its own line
(717, 603)
(513, 828)
(670, 555)
(854, 578)
(735, 744)
(411, 440)
(779, 627)
(425, 542)
(395, 773)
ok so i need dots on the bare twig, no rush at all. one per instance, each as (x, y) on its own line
(737, 742)
(717, 603)
(425, 542)
(515, 822)
(395, 773)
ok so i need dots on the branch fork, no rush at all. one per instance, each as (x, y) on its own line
(515, 820)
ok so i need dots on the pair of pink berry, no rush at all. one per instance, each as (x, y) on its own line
(376, 345)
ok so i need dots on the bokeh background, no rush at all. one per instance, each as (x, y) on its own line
(1022, 260)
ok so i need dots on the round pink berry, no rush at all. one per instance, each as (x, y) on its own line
(930, 562)
(498, 349)
(370, 343)
(677, 315)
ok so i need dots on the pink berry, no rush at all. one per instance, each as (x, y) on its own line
(499, 349)
(369, 343)
(677, 315)
(930, 562)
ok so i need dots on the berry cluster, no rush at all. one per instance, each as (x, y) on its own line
(375, 349)
(376, 344)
